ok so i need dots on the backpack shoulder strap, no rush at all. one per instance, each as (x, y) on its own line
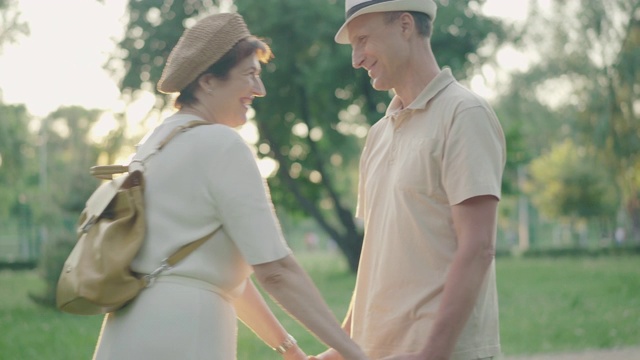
(179, 129)
(187, 249)
(106, 172)
(177, 256)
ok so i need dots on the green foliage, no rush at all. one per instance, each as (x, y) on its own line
(460, 30)
(66, 185)
(583, 92)
(518, 155)
(568, 183)
(545, 306)
(17, 156)
(54, 254)
(11, 27)
(14, 137)
(154, 27)
(70, 153)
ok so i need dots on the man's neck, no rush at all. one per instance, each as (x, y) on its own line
(421, 69)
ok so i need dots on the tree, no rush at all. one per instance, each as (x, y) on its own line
(569, 184)
(589, 91)
(14, 136)
(18, 180)
(318, 109)
(67, 152)
(14, 150)
(11, 27)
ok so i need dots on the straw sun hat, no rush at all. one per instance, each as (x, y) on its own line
(355, 8)
(200, 47)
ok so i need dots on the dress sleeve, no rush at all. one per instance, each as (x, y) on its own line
(243, 201)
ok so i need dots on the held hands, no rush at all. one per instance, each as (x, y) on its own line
(330, 354)
(411, 356)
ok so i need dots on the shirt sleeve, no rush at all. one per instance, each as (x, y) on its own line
(243, 201)
(474, 157)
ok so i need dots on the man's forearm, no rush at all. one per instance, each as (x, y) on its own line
(458, 299)
(474, 224)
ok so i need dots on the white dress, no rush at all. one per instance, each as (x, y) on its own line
(204, 178)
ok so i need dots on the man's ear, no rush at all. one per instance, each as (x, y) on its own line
(408, 24)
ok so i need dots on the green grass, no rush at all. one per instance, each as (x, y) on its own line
(546, 305)
(564, 304)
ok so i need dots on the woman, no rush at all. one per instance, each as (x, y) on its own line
(207, 178)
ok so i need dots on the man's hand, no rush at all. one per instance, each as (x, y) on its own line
(413, 356)
(330, 354)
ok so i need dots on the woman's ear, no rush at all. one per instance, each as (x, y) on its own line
(206, 82)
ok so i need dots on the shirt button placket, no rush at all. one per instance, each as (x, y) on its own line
(394, 138)
(392, 149)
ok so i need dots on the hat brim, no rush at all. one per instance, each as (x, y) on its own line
(427, 7)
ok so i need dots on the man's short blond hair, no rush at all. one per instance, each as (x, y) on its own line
(422, 20)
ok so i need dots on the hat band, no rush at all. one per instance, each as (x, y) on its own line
(363, 5)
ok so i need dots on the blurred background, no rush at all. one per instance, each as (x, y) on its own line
(77, 88)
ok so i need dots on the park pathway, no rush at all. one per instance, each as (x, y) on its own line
(629, 353)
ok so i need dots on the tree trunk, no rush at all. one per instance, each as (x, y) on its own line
(633, 210)
(349, 240)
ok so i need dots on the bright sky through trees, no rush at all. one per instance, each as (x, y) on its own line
(61, 62)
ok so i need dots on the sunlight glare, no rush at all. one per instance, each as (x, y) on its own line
(63, 54)
(300, 130)
(267, 167)
(138, 113)
(316, 134)
(105, 125)
(557, 92)
(315, 177)
(508, 10)
(511, 59)
(249, 132)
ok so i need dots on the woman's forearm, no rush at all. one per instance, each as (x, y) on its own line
(254, 312)
(290, 286)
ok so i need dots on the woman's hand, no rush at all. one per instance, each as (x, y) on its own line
(330, 354)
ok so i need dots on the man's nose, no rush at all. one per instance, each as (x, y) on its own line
(357, 59)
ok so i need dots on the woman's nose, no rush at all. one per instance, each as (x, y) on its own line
(258, 88)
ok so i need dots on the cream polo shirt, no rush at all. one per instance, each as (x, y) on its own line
(445, 147)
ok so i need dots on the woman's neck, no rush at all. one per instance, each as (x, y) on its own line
(197, 111)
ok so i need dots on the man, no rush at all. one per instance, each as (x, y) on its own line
(430, 177)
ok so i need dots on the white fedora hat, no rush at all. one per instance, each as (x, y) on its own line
(355, 8)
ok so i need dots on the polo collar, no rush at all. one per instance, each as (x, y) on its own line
(441, 81)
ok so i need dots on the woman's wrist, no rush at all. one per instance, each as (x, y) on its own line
(294, 353)
(287, 344)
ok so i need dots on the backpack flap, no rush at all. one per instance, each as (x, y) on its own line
(98, 202)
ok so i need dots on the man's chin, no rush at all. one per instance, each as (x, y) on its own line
(379, 85)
